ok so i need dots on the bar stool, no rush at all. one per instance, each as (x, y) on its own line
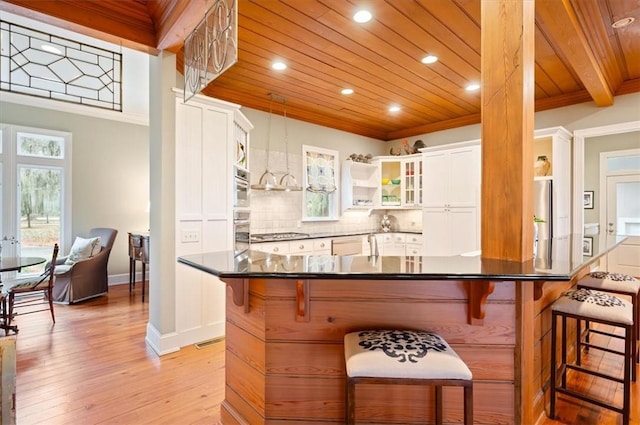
(405, 357)
(616, 283)
(600, 307)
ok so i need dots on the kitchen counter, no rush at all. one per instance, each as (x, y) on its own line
(286, 317)
(293, 236)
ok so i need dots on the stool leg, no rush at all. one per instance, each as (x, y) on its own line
(350, 408)
(563, 361)
(468, 405)
(554, 336)
(628, 362)
(132, 272)
(579, 339)
(439, 405)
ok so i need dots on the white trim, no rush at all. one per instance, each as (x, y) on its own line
(579, 137)
(73, 108)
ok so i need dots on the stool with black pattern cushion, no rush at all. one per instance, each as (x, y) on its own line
(616, 283)
(599, 307)
(406, 357)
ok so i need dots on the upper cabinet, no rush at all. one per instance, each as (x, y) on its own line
(400, 181)
(360, 185)
(452, 175)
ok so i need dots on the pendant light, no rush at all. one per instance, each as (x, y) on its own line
(288, 181)
(268, 180)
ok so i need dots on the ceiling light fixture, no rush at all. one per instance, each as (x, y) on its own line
(429, 59)
(394, 108)
(472, 87)
(362, 16)
(347, 91)
(279, 66)
(288, 182)
(621, 23)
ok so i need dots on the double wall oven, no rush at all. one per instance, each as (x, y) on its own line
(241, 212)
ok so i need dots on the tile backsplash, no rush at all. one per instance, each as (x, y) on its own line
(273, 212)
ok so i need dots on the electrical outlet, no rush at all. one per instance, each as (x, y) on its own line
(190, 236)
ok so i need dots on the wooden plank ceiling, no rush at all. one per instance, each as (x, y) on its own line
(579, 57)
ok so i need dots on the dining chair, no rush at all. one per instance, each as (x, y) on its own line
(29, 293)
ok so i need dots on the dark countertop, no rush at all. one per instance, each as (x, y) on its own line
(557, 259)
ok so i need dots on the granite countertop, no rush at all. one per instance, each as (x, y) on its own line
(557, 259)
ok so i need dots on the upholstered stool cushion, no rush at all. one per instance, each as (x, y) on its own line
(595, 305)
(402, 354)
(606, 281)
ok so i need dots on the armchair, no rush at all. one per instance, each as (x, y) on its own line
(86, 278)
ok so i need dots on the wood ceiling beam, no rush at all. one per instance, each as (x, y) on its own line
(175, 19)
(558, 19)
(129, 29)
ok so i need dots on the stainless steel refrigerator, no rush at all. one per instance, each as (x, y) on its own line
(543, 207)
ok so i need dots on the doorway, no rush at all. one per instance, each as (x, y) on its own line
(35, 185)
(623, 219)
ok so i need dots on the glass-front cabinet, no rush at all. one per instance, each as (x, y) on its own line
(412, 181)
(390, 181)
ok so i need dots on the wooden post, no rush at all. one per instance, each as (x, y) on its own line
(507, 67)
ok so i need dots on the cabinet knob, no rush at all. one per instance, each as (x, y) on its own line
(276, 249)
(322, 245)
(301, 247)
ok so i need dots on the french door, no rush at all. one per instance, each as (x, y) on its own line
(35, 171)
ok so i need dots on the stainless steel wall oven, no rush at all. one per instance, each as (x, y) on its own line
(240, 188)
(241, 233)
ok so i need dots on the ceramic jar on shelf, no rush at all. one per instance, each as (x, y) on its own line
(542, 166)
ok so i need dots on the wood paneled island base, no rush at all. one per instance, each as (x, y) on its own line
(282, 367)
(286, 317)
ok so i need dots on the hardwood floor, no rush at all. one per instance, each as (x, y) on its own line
(93, 367)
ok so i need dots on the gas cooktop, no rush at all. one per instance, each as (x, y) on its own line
(278, 236)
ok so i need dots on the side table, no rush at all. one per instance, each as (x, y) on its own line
(138, 251)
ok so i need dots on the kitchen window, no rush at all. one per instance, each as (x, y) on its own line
(321, 172)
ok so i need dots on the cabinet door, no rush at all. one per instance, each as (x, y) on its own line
(436, 235)
(436, 171)
(464, 177)
(464, 235)
(272, 247)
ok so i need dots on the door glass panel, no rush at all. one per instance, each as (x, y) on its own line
(40, 203)
(623, 163)
(628, 208)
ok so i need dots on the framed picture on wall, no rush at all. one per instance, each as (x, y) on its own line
(587, 246)
(588, 199)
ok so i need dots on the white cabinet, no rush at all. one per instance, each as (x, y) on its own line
(320, 246)
(413, 245)
(360, 185)
(451, 199)
(400, 180)
(206, 135)
(452, 175)
(555, 144)
(412, 181)
(450, 231)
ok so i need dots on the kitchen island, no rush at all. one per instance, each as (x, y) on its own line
(286, 317)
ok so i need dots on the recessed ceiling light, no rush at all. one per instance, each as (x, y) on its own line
(472, 87)
(279, 66)
(394, 108)
(362, 16)
(429, 59)
(49, 48)
(621, 23)
(347, 91)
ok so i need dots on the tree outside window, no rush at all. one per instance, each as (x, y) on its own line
(321, 173)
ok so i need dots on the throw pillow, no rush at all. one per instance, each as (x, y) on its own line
(82, 249)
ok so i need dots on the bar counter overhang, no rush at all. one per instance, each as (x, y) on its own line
(286, 317)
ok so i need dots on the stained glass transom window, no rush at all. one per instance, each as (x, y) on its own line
(44, 65)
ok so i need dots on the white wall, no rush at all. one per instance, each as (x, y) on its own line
(110, 173)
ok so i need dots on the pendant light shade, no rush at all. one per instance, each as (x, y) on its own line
(268, 180)
(288, 181)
